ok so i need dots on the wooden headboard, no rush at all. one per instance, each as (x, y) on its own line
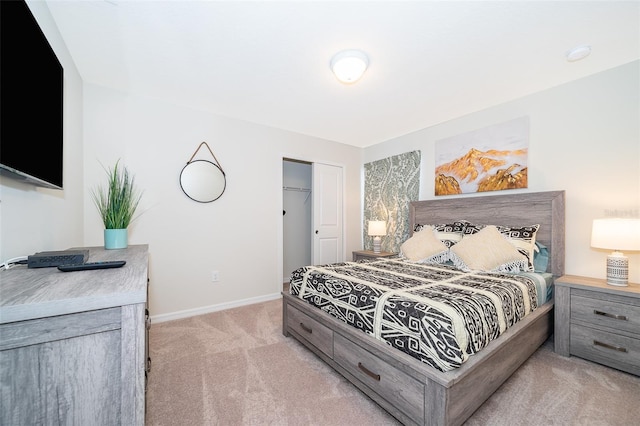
(544, 208)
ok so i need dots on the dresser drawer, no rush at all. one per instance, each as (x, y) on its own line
(607, 348)
(311, 330)
(606, 313)
(403, 391)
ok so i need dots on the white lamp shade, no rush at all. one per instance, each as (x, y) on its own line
(377, 227)
(349, 65)
(616, 234)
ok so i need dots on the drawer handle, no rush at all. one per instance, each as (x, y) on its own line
(608, 346)
(368, 372)
(606, 314)
(305, 328)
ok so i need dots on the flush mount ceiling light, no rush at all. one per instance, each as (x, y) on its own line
(579, 52)
(349, 65)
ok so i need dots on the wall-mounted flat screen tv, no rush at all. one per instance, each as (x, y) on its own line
(31, 99)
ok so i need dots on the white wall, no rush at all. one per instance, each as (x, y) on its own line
(240, 234)
(34, 219)
(584, 139)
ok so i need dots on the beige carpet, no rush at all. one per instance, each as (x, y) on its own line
(236, 368)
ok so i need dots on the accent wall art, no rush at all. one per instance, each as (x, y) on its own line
(389, 185)
(494, 158)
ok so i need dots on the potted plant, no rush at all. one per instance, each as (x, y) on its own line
(116, 203)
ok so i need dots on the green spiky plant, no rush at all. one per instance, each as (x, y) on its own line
(118, 200)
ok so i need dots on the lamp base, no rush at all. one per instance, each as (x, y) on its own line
(376, 244)
(618, 269)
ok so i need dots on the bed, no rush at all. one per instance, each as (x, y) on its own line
(408, 388)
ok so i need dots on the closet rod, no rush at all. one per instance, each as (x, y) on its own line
(293, 188)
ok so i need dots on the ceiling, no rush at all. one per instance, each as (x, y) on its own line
(267, 62)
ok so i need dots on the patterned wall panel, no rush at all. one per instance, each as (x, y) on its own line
(389, 185)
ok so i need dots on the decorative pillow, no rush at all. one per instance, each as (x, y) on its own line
(540, 258)
(471, 228)
(522, 237)
(448, 233)
(424, 247)
(487, 250)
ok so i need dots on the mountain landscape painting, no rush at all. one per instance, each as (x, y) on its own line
(489, 159)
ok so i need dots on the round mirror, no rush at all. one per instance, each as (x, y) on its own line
(202, 181)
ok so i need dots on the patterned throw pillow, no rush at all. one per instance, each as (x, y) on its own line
(424, 247)
(522, 237)
(448, 233)
(487, 250)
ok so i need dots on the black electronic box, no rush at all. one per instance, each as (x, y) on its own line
(48, 259)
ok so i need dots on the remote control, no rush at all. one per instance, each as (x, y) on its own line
(92, 265)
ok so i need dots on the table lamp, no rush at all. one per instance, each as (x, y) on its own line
(377, 228)
(617, 235)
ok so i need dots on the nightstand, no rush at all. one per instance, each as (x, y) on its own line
(369, 254)
(598, 322)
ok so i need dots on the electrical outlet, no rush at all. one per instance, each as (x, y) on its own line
(215, 277)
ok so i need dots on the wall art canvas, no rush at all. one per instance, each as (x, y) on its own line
(389, 185)
(491, 159)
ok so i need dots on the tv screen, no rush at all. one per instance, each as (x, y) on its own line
(31, 99)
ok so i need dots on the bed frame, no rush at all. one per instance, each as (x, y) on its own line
(408, 389)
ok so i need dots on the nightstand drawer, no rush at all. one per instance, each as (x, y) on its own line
(368, 254)
(607, 348)
(606, 313)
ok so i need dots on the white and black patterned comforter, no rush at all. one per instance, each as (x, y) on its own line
(435, 313)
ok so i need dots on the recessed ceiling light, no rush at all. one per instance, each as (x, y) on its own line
(578, 52)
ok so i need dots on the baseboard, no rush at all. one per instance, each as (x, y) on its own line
(212, 308)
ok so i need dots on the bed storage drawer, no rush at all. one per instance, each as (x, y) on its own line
(395, 386)
(311, 330)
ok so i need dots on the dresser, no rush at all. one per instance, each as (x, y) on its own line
(598, 322)
(73, 344)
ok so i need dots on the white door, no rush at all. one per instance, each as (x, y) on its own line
(327, 214)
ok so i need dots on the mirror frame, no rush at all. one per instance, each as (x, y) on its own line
(218, 174)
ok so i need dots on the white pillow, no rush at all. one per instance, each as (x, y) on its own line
(448, 233)
(522, 237)
(487, 250)
(425, 247)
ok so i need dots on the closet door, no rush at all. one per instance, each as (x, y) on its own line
(327, 214)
